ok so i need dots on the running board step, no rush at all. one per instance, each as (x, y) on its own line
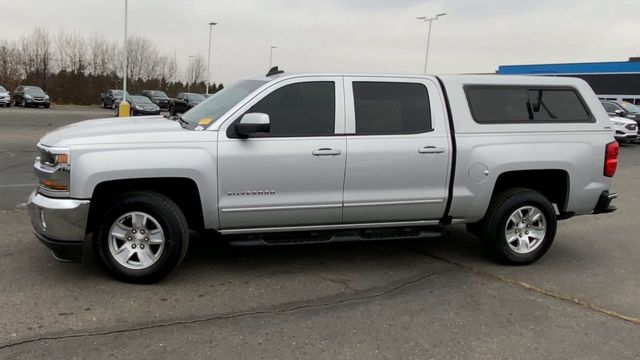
(319, 237)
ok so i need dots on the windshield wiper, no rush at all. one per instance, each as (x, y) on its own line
(183, 122)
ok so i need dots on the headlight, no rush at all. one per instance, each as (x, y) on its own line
(46, 97)
(618, 123)
(53, 168)
(27, 96)
(138, 107)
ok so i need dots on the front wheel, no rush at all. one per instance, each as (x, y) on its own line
(519, 226)
(143, 238)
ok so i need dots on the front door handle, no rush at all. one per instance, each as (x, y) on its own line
(326, 152)
(431, 150)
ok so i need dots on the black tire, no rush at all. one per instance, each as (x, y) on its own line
(174, 226)
(172, 111)
(494, 224)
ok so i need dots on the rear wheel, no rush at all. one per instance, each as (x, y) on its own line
(519, 227)
(143, 238)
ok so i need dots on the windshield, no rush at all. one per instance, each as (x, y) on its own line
(118, 93)
(33, 91)
(2, 89)
(158, 94)
(219, 103)
(140, 99)
(195, 97)
(629, 107)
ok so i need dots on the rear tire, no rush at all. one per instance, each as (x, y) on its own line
(142, 238)
(519, 227)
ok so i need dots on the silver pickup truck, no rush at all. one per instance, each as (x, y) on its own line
(329, 157)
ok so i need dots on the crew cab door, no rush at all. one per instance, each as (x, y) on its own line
(398, 161)
(293, 175)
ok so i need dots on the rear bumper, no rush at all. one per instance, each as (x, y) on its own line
(604, 203)
(60, 224)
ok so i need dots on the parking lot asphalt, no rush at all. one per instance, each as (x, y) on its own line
(438, 298)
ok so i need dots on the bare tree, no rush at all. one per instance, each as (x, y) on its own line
(196, 69)
(72, 52)
(143, 58)
(101, 55)
(10, 60)
(35, 50)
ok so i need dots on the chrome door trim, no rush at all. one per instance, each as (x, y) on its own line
(275, 208)
(391, 203)
(330, 227)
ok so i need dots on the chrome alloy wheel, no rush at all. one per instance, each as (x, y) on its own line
(136, 240)
(525, 229)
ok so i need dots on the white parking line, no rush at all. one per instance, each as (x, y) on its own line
(16, 185)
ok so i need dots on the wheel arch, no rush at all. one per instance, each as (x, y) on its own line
(554, 184)
(182, 191)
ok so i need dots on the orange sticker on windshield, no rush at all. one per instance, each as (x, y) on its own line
(205, 121)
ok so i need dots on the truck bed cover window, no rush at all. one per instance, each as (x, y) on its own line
(524, 104)
(386, 108)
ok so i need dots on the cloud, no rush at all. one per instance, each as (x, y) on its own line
(353, 35)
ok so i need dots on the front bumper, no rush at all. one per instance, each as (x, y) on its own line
(5, 101)
(604, 203)
(33, 102)
(60, 224)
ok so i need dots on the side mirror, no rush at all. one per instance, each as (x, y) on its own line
(253, 123)
(620, 113)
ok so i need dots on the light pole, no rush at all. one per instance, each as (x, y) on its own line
(429, 20)
(123, 108)
(189, 73)
(211, 25)
(271, 55)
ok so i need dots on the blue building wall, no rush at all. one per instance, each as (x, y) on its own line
(572, 68)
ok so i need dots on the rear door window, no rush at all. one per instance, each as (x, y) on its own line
(506, 104)
(387, 108)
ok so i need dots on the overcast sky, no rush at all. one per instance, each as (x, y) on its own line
(351, 35)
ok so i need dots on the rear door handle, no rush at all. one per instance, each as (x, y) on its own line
(431, 150)
(326, 152)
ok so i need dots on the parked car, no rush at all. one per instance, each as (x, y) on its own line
(158, 97)
(109, 98)
(27, 96)
(265, 162)
(5, 97)
(622, 109)
(183, 102)
(140, 105)
(625, 130)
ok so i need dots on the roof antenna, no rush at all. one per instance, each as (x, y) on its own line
(275, 71)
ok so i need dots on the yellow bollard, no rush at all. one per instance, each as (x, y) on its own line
(124, 109)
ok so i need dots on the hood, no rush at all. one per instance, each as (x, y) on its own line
(115, 131)
(625, 121)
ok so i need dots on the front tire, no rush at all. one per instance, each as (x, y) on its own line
(519, 227)
(143, 237)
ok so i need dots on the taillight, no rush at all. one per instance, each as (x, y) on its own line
(611, 159)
